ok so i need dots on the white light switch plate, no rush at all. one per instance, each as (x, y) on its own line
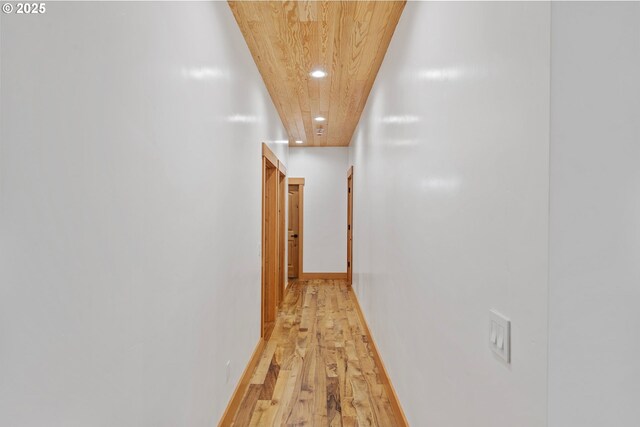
(500, 335)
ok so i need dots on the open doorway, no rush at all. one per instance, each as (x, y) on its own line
(295, 229)
(273, 233)
(350, 225)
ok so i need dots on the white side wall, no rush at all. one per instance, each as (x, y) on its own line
(325, 205)
(451, 211)
(594, 357)
(130, 176)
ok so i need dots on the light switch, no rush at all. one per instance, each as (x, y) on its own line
(500, 343)
(500, 335)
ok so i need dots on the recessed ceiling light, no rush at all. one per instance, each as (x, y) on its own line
(320, 119)
(318, 74)
(299, 142)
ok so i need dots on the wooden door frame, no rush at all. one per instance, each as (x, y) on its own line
(350, 225)
(300, 183)
(272, 250)
(282, 233)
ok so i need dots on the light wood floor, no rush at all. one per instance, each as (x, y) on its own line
(317, 368)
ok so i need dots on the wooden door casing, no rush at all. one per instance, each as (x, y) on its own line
(292, 232)
(269, 247)
(273, 236)
(350, 226)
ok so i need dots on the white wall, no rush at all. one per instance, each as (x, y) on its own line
(451, 211)
(129, 213)
(325, 206)
(594, 356)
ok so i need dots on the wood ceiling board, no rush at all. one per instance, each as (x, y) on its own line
(289, 39)
(386, 33)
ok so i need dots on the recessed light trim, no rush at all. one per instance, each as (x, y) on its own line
(320, 119)
(299, 142)
(318, 74)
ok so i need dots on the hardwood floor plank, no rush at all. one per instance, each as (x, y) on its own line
(265, 361)
(320, 380)
(270, 380)
(260, 414)
(361, 402)
(334, 408)
(245, 412)
(286, 406)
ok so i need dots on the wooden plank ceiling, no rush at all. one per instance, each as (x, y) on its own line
(345, 39)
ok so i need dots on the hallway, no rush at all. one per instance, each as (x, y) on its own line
(200, 199)
(317, 367)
